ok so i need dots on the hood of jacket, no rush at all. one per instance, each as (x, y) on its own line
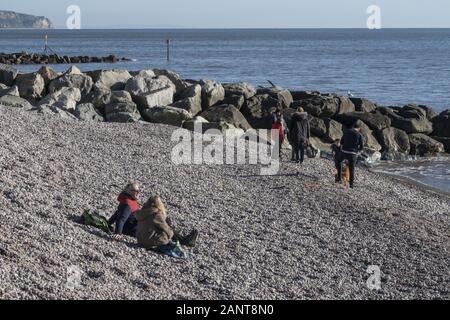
(298, 116)
(146, 213)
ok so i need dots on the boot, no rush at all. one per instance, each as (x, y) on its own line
(191, 239)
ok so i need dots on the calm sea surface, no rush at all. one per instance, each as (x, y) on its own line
(390, 67)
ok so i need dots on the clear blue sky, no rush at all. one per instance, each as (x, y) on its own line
(239, 13)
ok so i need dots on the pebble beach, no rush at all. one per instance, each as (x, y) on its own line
(295, 235)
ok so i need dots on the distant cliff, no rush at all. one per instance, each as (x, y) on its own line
(10, 19)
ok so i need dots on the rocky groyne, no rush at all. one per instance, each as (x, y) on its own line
(162, 96)
(52, 58)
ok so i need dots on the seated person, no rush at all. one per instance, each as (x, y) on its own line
(124, 217)
(154, 232)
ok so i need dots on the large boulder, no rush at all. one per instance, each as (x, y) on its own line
(7, 74)
(375, 120)
(319, 144)
(320, 106)
(345, 105)
(258, 111)
(327, 130)
(370, 141)
(99, 96)
(369, 157)
(416, 111)
(237, 101)
(150, 92)
(282, 95)
(120, 96)
(80, 81)
(73, 70)
(393, 140)
(112, 79)
(7, 91)
(31, 86)
(363, 105)
(48, 74)
(15, 102)
(166, 115)
(409, 119)
(200, 123)
(333, 131)
(323, 105)
(190, 100)
(441, 124)
(65, 99)
(196, 121)
(429, 112)
(87, 112)
(121, 108)
(212, 93)
(55, 112)
(145, 73)
(302, 95)
(423, 145)
(445, 142)
(174, 78)
(226, 113)
(239, 89)
(317, 126)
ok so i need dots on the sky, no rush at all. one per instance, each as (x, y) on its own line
(239, 13)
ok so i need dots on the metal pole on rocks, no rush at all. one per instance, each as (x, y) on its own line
(46, 43)
(168, 49)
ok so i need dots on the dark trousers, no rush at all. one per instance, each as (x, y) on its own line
(298, 152)
(351, 158)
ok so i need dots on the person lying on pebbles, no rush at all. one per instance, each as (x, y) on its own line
(154, 232)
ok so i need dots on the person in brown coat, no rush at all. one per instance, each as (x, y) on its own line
(154, 229)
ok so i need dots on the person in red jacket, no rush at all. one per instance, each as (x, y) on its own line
(124, 219)
(278, 132)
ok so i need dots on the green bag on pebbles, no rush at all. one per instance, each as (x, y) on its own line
(92, 218)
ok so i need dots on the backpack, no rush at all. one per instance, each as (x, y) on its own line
(312, 152)
(94, 219)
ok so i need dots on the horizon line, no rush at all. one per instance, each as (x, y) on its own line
(231, 28)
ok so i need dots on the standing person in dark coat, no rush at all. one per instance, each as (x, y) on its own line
(351, 144)
(299, 133)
